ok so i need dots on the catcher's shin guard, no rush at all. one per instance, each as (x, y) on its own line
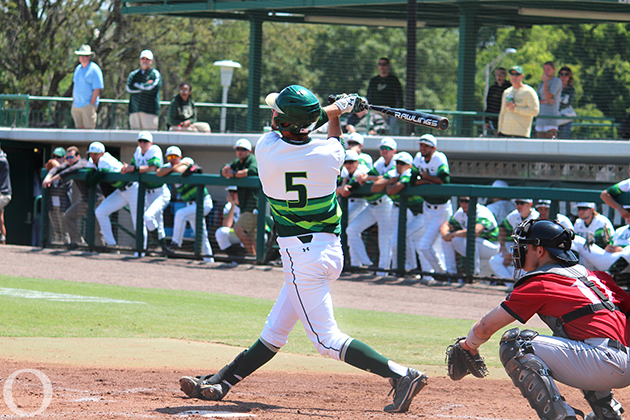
(604, 408)
(531, 376)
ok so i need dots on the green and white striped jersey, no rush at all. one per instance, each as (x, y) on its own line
(300, 180)
(153, 157)
(484, 216)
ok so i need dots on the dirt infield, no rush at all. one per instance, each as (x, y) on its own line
(116, 379)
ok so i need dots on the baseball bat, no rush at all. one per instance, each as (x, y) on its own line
(414, 117)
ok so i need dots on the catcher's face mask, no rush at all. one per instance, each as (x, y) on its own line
(548, 234)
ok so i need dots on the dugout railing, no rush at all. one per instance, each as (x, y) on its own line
(475, 192)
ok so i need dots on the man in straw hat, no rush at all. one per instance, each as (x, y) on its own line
(88, 83)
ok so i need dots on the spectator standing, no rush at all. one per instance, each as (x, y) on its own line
(125, 194)
(77, 210)
(386, 90)
(182, 114)
(433, 168)
(549, 91)
(188, 193)
(5, 192)
(245, 165)
(144, 86)
(519, 106)
(501, 207)
(58, 199)
(567, 100)
(454, 236)
(148, 158)
(379, 210)
(493, 100)
(87, 85)
(225, 235)
(502, 263)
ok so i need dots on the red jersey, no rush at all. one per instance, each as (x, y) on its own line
(554, 295)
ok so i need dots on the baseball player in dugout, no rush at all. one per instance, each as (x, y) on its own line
(299, 177)
(585, 310)
(433, 168)
(148, 158)
(379, 210)
(245, 164)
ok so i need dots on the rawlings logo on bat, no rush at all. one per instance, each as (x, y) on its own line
(416, 119)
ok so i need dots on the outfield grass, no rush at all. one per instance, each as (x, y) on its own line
(213, 317)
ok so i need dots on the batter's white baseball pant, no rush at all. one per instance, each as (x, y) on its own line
(434, 217)
(596, 258)
(501, 270)
(187, 214)
(309, 266)
(155, 202)
(484, 249)
(379, 212)
(114, 202)
(226, 237)
(590, 365)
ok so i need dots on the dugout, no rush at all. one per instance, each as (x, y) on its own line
(470, 16)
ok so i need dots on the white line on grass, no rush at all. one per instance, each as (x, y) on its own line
(58, 297)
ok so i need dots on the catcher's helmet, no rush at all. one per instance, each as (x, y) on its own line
(549, 234)
(298, 109)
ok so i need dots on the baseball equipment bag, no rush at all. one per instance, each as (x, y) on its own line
(460, 362)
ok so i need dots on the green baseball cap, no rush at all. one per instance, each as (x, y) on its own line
(59, 151)
(517, 69)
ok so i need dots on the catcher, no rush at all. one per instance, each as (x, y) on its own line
(586, 312)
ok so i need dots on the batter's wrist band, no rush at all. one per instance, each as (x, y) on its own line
(473, 341)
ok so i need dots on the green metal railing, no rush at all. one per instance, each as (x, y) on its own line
(45, 111)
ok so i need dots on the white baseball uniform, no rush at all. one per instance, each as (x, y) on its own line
(486, 244)
(597, 257)
(379, 210)
(437, 210)
(355, 204)
(126, 194)
(157, 196)
(509, 223)
(225, 236)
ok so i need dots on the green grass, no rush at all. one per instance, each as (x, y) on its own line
(212, 317)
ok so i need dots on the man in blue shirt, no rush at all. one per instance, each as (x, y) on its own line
(88, 83)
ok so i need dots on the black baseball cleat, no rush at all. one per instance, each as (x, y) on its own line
(201, 387)
(405, 389)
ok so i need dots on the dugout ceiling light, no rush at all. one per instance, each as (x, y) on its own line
(575, 14)
(338, 20)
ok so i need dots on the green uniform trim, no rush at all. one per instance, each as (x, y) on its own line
(415, 203)
(321, 214)
(188, 192)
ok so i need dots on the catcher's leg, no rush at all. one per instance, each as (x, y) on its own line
(604, 406)
(531, 376)
(215, 387)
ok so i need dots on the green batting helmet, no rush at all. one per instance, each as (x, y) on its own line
(298, 109)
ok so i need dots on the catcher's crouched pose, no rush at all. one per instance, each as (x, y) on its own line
(299, 177)
(586, 312)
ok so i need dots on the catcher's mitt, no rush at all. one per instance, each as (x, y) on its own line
(460, 362)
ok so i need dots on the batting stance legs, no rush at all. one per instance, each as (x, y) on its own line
(310, 263)
(533, 362)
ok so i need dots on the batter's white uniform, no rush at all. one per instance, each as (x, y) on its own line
(355, 204)
(157, 196)
(437, 210)
(486, 245)
(509, 223)
(299, 181)
(600, 259)
(379, 210)
(126, 194)
(225, 236)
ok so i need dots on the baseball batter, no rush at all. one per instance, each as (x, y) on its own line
(298, 175)
(586, 312)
